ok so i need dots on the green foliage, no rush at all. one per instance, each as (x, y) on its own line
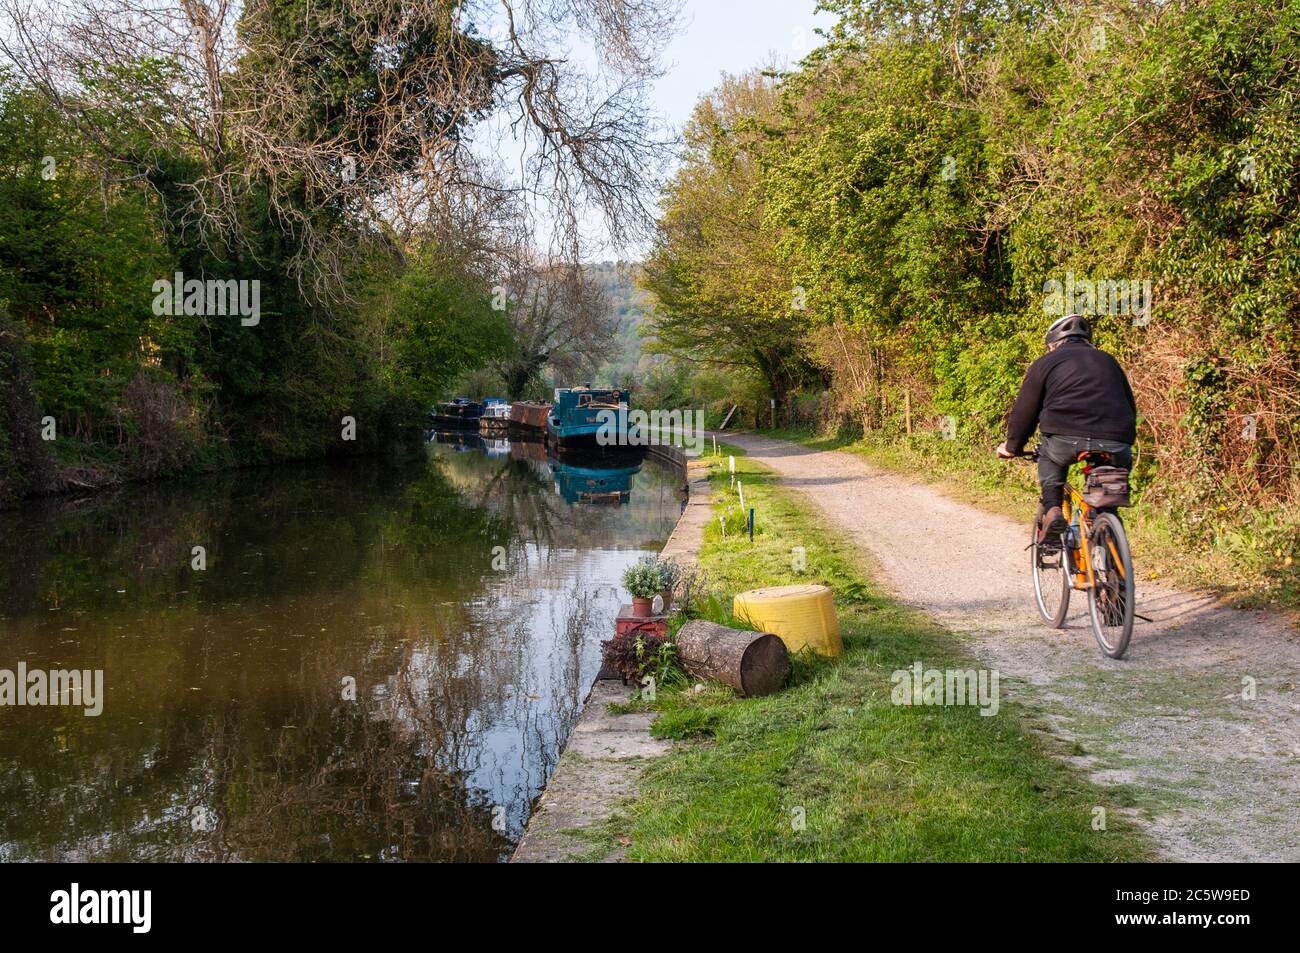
(677, 385)
(24, 463)
(442, 322)
(76, 266)
(670, 573)
(337, 78)
(637, 654)
(724, 294)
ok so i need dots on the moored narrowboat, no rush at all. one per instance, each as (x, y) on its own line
(459, 414)
(496, 415)
(529, 416)
(590, 418)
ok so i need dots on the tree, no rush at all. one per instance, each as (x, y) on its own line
(560, 320)
(436, 321)
(723, 288)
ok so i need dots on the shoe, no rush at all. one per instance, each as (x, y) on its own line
(1052, 526)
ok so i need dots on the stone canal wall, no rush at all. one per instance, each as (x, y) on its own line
(606, 753)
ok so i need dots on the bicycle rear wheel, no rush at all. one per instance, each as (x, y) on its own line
(1111, 600)
(1050, 566)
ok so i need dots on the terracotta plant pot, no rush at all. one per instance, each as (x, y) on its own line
(640, 606)
(667, 595)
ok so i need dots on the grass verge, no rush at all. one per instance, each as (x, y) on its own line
(830, 769)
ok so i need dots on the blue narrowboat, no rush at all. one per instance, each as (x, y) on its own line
(588, 418)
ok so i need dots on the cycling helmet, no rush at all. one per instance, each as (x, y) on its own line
(1070, 326)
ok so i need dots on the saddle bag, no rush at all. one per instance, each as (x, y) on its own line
(1107, 487)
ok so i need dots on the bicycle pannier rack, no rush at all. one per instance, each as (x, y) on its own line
(1107, 487)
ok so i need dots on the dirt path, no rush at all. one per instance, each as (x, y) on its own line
(1217, 776)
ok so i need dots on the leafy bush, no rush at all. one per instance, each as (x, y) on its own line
(638, 653)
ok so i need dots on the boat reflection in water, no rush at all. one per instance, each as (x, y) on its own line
(606, 480)
(600, 478)
(460, 439)
(532, 450)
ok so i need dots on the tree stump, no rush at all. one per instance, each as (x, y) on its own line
(751, 663)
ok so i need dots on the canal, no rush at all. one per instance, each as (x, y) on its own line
(380, 660)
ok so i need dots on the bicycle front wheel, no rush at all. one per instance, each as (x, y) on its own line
(1111, 599)
(1050, 566)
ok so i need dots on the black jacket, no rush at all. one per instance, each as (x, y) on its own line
(1075, 391)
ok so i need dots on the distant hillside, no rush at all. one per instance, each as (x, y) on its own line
(628, 304)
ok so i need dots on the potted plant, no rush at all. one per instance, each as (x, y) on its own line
(669, 574)
(644, 581)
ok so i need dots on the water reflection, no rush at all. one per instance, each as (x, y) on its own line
(464, 595)
(589, 483)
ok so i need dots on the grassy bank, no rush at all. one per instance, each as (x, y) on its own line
(867, 780)
(1249, 556)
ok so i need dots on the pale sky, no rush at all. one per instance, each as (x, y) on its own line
(732, 36)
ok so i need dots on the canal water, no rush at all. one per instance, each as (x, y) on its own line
(381, 660)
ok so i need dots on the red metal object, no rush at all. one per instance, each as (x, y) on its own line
(529, 415)
(628, 621)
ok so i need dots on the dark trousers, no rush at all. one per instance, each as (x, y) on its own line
(1056, 453)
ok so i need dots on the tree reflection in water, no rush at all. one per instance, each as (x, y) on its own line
(224, 702)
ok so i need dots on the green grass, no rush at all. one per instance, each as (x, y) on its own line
(1247, 555)
(872, 781)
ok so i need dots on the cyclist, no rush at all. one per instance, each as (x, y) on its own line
(1080, 399)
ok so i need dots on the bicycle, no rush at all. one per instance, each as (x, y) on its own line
(1092, 556)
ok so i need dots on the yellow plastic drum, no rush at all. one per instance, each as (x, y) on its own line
(800, 615)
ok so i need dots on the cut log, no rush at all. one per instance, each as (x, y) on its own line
(751, 663)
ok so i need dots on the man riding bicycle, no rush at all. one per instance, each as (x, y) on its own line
(1080, 399)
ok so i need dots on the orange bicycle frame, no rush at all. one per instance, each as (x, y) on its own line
(1084, 577)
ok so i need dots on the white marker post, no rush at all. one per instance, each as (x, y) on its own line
(740, 488)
